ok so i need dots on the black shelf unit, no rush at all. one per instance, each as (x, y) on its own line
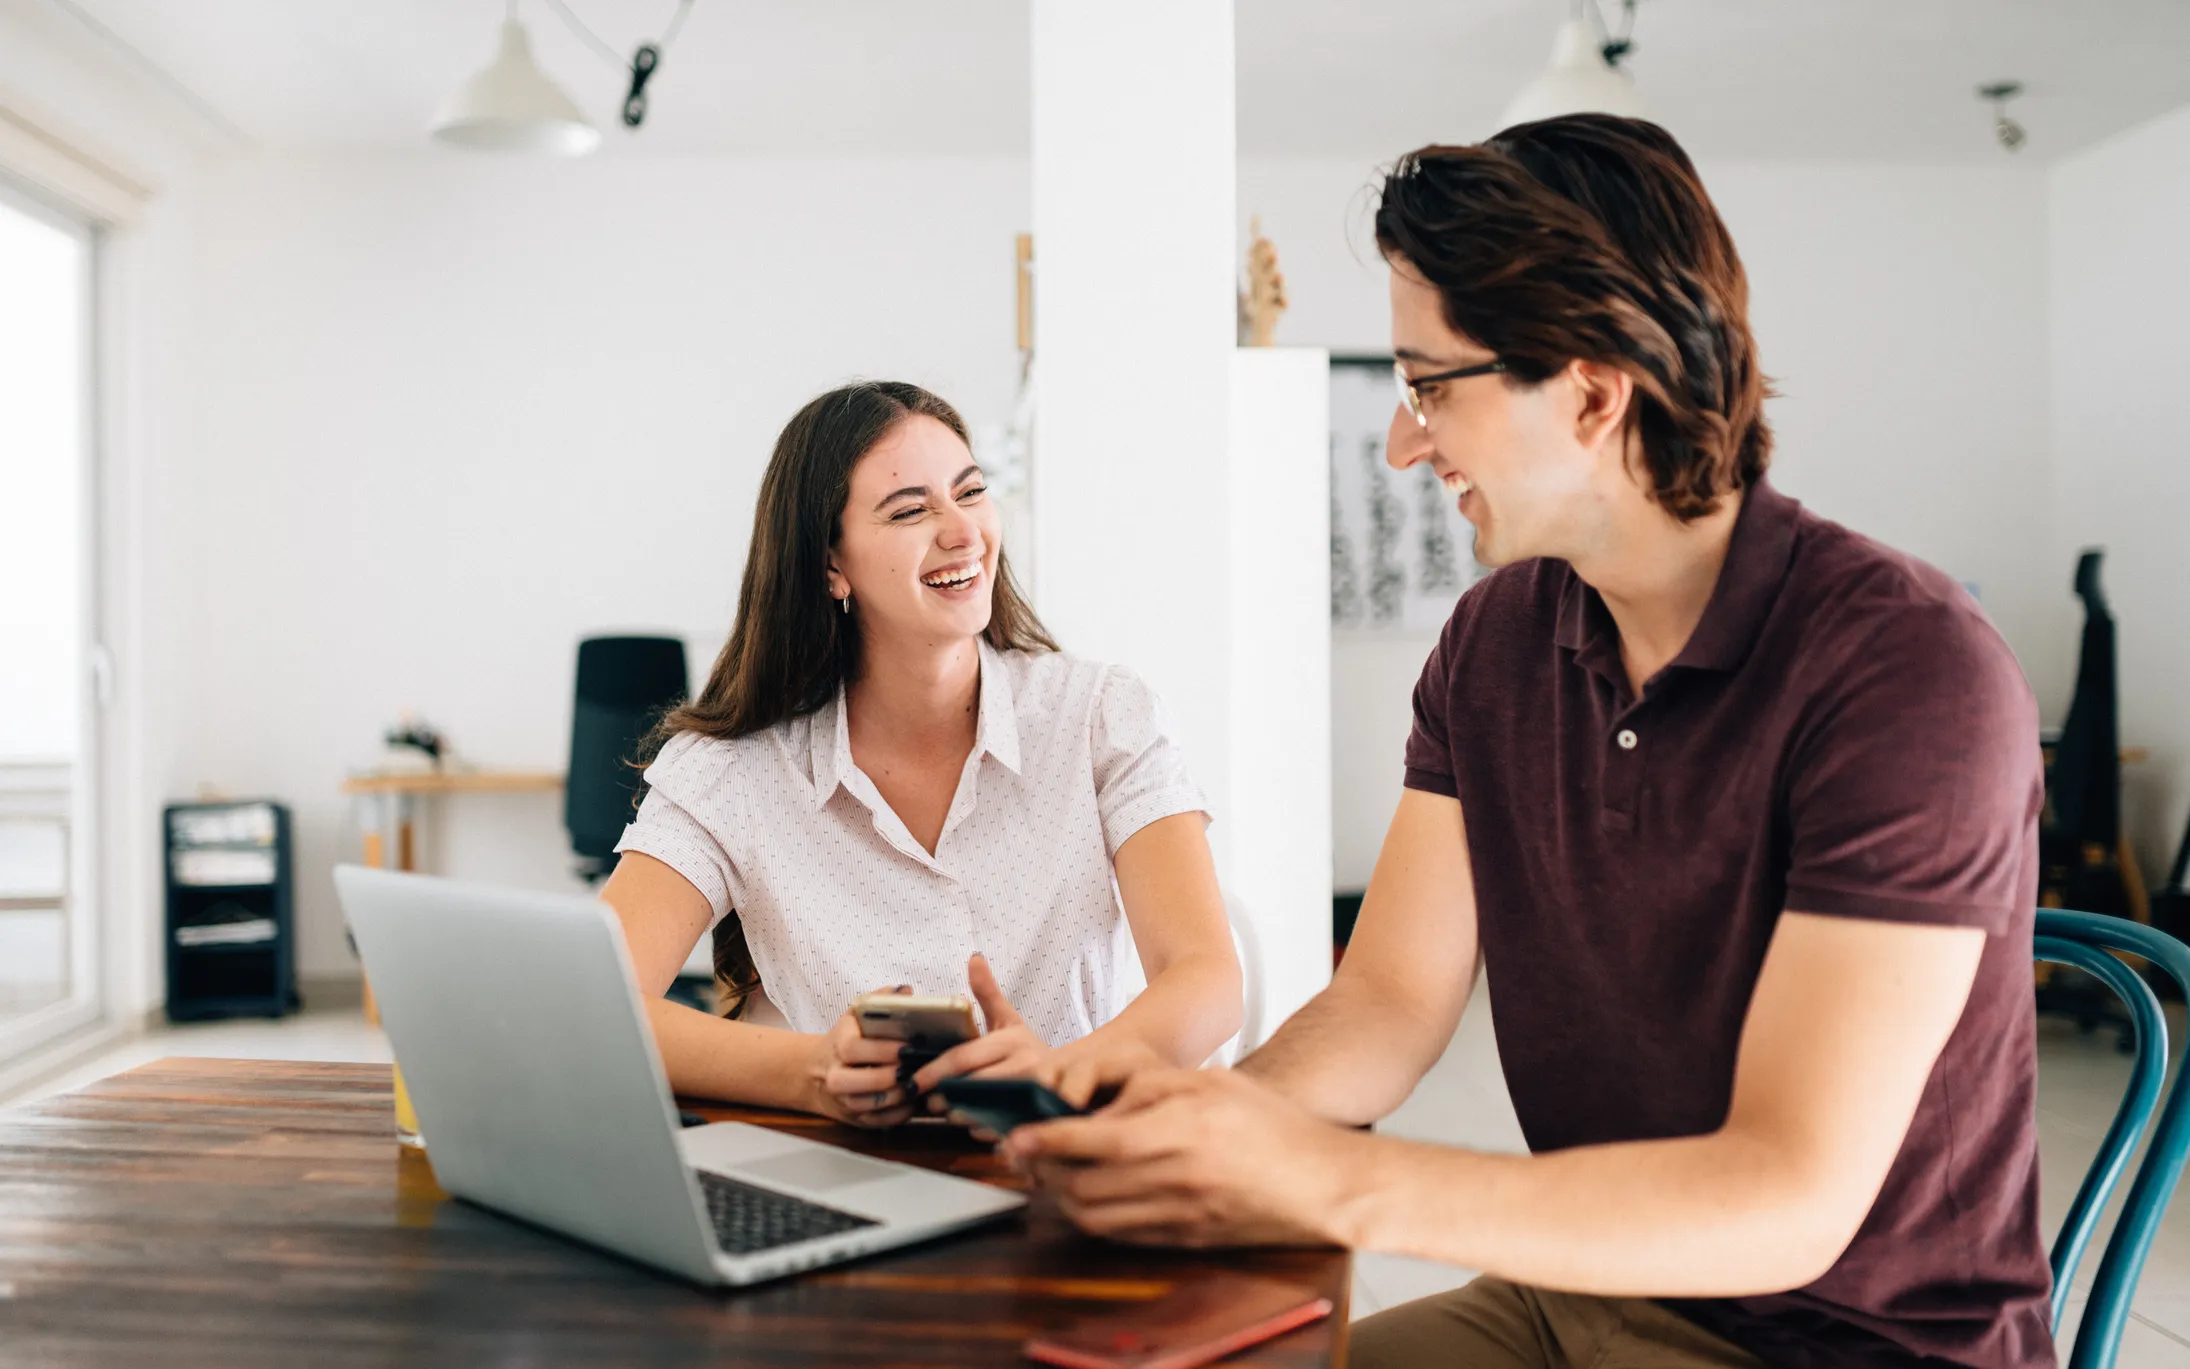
(230, 910)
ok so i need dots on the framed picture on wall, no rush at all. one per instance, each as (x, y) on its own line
(1401, 554)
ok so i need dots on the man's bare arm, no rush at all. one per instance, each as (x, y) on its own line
(1847, 1022)
(1359, 1047)
(1842, 1036)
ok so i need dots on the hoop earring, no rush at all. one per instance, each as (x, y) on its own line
(846, 602)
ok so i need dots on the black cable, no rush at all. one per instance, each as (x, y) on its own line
(645, 59)
(643, 63)
(1615, 45)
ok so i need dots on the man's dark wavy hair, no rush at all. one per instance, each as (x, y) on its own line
(1590, 237)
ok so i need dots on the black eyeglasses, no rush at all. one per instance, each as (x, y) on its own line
(1409, 386)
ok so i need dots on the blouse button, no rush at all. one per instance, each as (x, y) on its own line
(1626, 739)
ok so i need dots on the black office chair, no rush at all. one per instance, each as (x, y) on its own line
(2084, 786)
(2080, 838)
(625, 684)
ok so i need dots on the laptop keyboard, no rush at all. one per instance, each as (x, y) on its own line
(748, 1219)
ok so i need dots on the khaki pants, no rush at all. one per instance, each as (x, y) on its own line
(1492, 1324)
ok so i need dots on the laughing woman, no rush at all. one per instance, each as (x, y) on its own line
(895, 779)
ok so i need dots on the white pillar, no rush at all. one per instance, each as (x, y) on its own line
(1147, 551)
(1133, 180)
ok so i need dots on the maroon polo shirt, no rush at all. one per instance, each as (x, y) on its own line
(1844, 734)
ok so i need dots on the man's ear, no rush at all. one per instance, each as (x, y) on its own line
(1606, 396)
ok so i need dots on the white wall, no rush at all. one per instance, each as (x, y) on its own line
(450, 414)
(397, 480)
(1902, 311)
(2122, 463)
(1277, 494)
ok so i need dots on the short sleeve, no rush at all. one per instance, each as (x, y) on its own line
(1915, 796)
(666, 829)
(1140, 772)
(1429, 752)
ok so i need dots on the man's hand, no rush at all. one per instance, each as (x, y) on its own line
(1193, 1158)
(1096, 1064)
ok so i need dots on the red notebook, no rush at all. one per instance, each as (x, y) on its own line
(1194, 1325)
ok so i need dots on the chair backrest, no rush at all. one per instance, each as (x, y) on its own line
(1248, 948)
(2178, 874)
(2085, 784)
(2085, 941)
(624, 684)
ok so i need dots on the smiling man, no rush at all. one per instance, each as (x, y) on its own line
(1736, 807)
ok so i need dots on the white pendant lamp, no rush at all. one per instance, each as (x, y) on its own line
(1580, 81)
(511, 106)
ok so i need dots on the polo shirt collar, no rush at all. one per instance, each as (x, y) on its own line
(1758, 554)
(996, 729)
(1757, 557)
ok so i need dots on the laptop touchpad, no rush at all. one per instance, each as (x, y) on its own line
(819, 1169)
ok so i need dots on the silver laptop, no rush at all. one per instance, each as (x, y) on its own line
(528, 1057)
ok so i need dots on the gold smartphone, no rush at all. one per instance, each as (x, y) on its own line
(931, 1022)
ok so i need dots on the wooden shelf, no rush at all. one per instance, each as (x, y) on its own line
(455, 782)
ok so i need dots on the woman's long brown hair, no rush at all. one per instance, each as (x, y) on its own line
(791, 646)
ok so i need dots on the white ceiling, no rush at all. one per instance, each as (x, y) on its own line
(1762, 79)
(751, 76)
(1751, 79)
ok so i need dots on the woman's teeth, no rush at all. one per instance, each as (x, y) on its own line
(952, 579)
(1458, 484)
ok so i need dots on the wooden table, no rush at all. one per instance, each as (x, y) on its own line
(387, 798)
(257, 1213)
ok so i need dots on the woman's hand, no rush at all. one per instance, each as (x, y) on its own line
(1008, 1050)
(853, 1079)
(1095, 1064)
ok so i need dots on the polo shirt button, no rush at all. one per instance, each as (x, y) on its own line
(1626, 739)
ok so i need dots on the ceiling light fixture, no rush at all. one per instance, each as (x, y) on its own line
(511, 106)
(1585, 76)
(2010, 133)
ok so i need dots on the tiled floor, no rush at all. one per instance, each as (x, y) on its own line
(1462, 1102)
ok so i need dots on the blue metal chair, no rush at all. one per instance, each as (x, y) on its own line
(2083, 941)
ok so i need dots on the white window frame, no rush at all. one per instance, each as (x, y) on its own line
(84, 1001)
(52, 179)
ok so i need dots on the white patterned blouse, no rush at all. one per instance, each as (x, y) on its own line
(783, 831)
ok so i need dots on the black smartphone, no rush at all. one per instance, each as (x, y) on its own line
(998, 1105)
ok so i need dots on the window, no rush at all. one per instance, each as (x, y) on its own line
(49, 980)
